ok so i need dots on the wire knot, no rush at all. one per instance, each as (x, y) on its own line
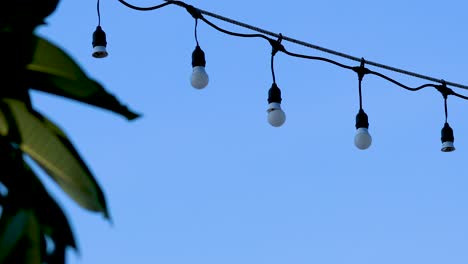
(444, 90)
(276, 45)
(194, 12)
(361, 70)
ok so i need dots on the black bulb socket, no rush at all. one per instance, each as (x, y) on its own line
(362, 121)
(274, 94)
(99, 37)
(447, 134)
(447, 138)
(198, 57)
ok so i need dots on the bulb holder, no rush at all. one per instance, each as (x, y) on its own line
(362, 120)
(198, 57)
(274, 94)
(273, 107)
(276, 116)
(99, 43)
(447, 139)
(362, 139)
(447, 146)
(100, 52)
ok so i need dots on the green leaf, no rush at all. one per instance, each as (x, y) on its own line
(46, 144)
(53, 71)
(51, 217)
(72, 150)
(19, 237)
(25, 191)
(11, 230)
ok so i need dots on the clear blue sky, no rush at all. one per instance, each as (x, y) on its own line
(202, 178)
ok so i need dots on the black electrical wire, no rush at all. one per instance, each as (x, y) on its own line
(196, 34)
(278, 47)
(273, 68)
(333, 52)
(99, 13)
(317, 58)
(460, 96)
(446, 109)
(360, 94)
(316, 47)
(234, 33)
(445, 91)
(144, 8)
(367, 72)
(275, 47)
(361, 71)
(400, 84)
(199, 15)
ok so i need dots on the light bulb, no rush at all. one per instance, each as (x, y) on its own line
(362, 139)
(276, 115)
(199, 78)
(99, 43)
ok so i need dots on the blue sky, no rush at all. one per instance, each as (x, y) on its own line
(203, 178)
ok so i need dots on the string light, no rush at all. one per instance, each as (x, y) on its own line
(362, 139)
(276, 116)
(447, 137)
(199, 78)
(99, 38)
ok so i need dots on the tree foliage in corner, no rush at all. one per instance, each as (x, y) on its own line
(30, 217)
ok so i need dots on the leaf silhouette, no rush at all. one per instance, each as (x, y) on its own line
(14, 14)
(19, 237)
(11, 230)
(46, 144)
(51, 218)
(53, 71)
(25, 191)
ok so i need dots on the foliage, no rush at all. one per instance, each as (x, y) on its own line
(30, 217)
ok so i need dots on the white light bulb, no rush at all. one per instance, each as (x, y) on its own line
(276, 116)
(362, 139)
(199, 78)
